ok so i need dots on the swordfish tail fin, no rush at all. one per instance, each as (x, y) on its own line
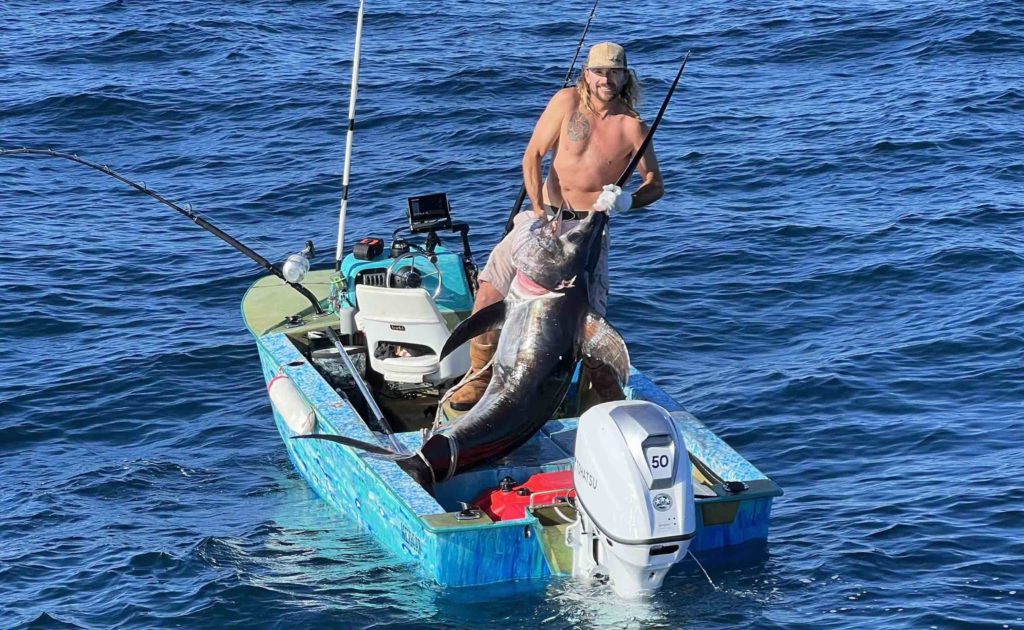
(414, 465)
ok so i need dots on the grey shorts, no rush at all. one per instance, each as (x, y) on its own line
(500, 271)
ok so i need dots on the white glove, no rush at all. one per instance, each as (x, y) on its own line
(613, 201)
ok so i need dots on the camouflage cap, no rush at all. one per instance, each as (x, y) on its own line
(606, 55)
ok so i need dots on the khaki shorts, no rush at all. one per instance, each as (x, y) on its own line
(499, 270)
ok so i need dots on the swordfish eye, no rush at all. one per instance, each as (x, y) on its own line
(575, 237)
(542, 226)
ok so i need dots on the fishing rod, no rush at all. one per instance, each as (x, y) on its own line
(348, 141)
(186, 211)
(602, 217)
(518, 205)
(260, 260)
(340, 247)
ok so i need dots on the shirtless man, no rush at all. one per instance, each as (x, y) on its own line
(592, 130)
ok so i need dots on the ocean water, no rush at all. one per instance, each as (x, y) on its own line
(833, 281)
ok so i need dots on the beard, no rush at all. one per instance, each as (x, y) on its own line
(606, 94)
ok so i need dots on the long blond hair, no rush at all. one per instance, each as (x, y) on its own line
(629, 95)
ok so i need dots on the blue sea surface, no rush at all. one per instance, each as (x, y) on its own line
(833, 282)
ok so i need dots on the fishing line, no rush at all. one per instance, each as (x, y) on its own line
(710, 581)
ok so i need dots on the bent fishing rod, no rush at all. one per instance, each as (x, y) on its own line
(238, 245)
(602, 217)
(187, 212)
(518, 205)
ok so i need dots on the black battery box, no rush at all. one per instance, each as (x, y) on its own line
(368, 249)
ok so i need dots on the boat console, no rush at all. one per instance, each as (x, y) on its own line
(397, 303)
(417, 258)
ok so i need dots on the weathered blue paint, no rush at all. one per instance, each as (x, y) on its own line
(391, 506)
(383, 499)
(751, 523)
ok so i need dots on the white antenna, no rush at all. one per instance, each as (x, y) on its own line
(348, 140)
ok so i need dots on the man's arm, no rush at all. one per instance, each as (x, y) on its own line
(614, 199)
(545, 136)
(651, 186)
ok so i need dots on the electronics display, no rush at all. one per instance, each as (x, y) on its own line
(429, 212)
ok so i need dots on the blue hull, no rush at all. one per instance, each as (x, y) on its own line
(418, 527)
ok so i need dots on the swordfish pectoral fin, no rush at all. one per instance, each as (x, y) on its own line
(600, 343)
(485, 320)
(414, 465)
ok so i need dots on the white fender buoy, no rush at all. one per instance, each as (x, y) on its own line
(285, 397)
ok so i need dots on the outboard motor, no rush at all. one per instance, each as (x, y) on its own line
(634, 492)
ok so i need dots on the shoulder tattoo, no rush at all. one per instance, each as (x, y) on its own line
(579, 127)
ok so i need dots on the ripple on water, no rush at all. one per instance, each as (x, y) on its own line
(831, 283)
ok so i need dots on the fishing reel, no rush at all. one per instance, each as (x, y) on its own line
(296, 266)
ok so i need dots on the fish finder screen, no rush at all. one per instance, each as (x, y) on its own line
(429, 212)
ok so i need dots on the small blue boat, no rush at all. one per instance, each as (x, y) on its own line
(360, 354)
(361, 358)
(445, 534)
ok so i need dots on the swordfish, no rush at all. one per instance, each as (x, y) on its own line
(546, 327)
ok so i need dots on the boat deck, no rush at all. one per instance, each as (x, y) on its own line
(733, 497)
(549, 450)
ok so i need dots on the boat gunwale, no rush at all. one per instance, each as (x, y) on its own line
(367, 463)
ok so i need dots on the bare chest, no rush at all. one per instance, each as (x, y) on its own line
(594, 140)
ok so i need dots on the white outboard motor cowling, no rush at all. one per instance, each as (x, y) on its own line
(634, 491)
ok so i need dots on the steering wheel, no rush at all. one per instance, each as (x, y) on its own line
(411, 256)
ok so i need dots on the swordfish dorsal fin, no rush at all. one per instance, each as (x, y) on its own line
(485, 320)
(601, 343)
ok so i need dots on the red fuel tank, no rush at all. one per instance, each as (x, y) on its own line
(508, 502)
